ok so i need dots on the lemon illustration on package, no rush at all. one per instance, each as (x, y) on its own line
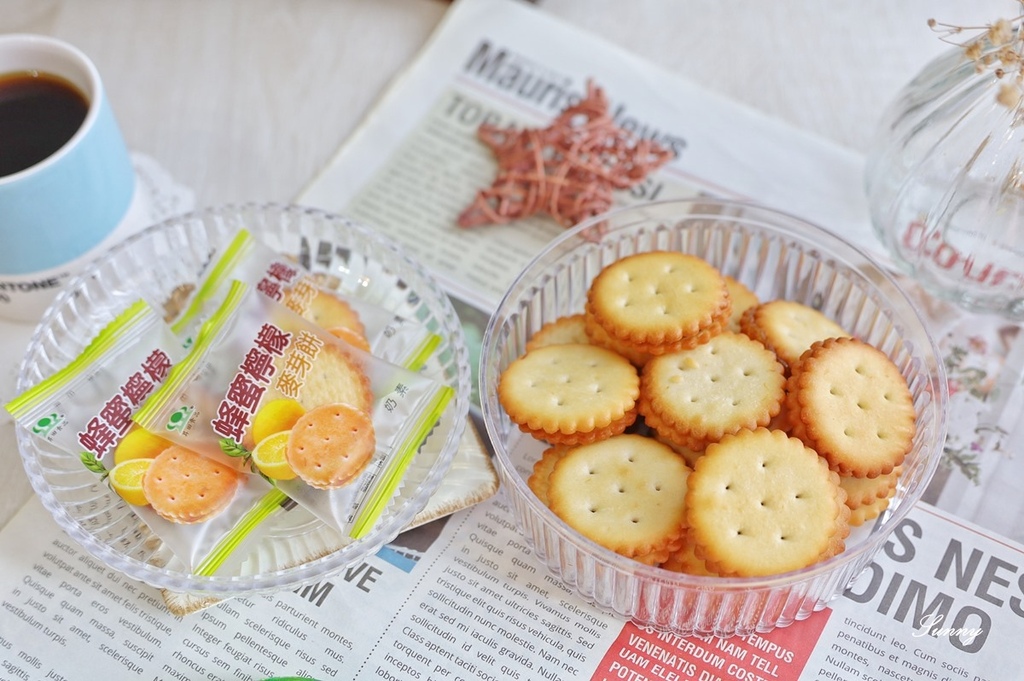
(139, 443)
(270, 456)
(126, 479)
(274, 416)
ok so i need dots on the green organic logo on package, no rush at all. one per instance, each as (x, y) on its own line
(46, 424)
(180, 419)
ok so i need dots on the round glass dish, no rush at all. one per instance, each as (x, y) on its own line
(157, 264)
(777, 256)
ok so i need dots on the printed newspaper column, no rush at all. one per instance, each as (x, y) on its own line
(83, 608)
(52, 589)
(488, 610)
(941, 600)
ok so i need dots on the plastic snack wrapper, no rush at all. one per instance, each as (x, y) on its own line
(86, 411)
(331, 425)
(365, 324)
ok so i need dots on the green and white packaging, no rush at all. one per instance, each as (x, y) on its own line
(391, 336)
(252, 347)
(86, 409)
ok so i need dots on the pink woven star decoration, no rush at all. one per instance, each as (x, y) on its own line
(567, 170)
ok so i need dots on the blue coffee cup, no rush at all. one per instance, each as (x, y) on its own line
(57, 213)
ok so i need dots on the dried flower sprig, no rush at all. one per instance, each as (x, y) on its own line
(996, 47)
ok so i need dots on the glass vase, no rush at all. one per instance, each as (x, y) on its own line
(945, 184)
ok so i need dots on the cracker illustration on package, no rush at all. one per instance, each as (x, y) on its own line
(373, 325)
(199, 506)
(327, 423)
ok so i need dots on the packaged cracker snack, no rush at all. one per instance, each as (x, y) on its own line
(200, 507)
(87, 406)
(331, 425)
(363, 323)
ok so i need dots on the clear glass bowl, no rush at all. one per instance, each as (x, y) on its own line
(296, 548)
(777, 256)
(943, 183)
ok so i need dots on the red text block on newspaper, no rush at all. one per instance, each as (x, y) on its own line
(645, 655)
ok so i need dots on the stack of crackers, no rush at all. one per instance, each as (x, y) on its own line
(692, 426)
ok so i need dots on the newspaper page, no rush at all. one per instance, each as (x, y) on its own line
(463, 597)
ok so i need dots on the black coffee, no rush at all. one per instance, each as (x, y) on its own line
(39, 112)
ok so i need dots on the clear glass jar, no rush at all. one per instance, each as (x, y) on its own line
(945, 184)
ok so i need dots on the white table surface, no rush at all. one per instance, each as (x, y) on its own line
(248, 99)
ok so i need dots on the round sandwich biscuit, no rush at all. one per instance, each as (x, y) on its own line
(742, 299)
(850, 403)
(788, 327)
(330, 445)
(626, 493)
(723, 386)
(616, 427)
(660, 555)
(689, 454)
(761, 503)
(667, 433)
(598, 336)
(570, 329)
(570, 394)
(685, 560)
(185, 487)
(541, 472)
(659, 301)
(863, 514)
(866, 491)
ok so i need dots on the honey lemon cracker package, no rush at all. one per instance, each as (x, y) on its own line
(331, 425)
(363, 315)
(197, 506)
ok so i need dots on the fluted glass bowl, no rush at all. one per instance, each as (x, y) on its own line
(777, 256)
(296, 548)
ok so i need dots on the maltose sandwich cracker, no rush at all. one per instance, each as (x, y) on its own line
(323, 308)
(570, 394)
(659, 301)
(742, 299)
(719, 387)
(788, 328)
(755, 398)
(332, 376)
(627, 493)
(685, 560)
(863, 514)
(538, 480)
(866, 491)
(570, 329)
(760, 503)
(850, 403)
